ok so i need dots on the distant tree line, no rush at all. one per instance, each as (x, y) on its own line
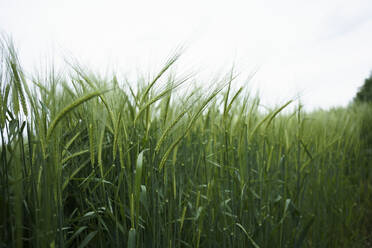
(365, 92)
(364, 95)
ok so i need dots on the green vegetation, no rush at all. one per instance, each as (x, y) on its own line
(365, 92)
(91, 162)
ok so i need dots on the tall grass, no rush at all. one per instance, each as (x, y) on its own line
(88, 161)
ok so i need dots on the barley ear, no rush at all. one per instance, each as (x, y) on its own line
(2, 111)
(116, 134)
(68, 109)
(15, 100)
(19, 90)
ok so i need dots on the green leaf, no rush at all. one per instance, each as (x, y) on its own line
(306, 229)
(132, 238)
(87, 239)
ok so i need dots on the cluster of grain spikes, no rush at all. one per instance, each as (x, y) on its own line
(90, 161)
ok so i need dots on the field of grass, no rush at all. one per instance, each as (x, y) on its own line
(88, 161)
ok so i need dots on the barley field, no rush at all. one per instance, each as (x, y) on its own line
(93, 161)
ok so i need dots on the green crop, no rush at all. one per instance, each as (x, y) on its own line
(98, 162)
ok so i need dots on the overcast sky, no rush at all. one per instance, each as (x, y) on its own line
(320, 49)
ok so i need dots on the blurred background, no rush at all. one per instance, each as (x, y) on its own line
(317, 50)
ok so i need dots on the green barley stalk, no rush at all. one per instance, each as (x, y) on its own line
(92, 143)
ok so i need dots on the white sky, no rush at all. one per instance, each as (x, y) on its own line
(320, 49)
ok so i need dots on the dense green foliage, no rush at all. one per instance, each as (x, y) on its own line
(91, 162)
(365, 92)
(364, 97)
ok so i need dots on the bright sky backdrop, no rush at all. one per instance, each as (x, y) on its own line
(319, 49)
